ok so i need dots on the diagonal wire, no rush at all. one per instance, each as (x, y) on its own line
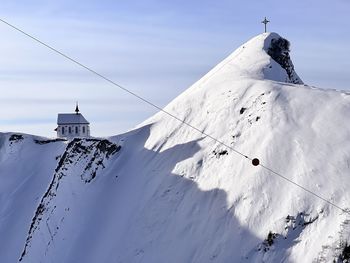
(305, 189)
(121, 87)
(169, 114)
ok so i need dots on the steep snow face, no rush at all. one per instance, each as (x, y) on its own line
(26, 166)
(165, 193)
(295, 130)
(82, 157)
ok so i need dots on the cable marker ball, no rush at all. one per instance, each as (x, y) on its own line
(255, 162)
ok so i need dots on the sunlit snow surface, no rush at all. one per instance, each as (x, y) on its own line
(165, 193)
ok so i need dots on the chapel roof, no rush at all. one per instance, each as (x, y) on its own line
(71, 118)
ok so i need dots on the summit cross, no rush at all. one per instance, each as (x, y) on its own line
(265, 21)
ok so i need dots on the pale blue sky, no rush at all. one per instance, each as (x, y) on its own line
(155, 48)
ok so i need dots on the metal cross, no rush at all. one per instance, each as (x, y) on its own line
(265, 21)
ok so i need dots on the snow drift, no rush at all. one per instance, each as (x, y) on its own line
(164, 193)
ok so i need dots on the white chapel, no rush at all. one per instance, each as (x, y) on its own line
(70, 125)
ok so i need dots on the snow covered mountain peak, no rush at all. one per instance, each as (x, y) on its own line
(265, 56)
(164, 192)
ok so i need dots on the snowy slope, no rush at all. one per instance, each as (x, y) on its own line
(25, 172)
(165, 193)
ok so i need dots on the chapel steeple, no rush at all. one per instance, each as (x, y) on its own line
(77, 108)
